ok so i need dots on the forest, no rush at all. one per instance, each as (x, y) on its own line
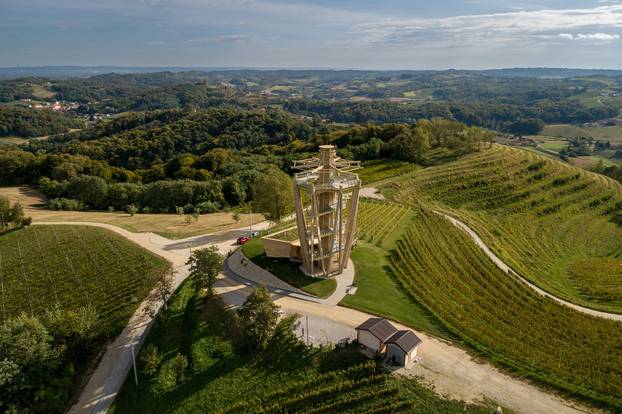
(203, 161)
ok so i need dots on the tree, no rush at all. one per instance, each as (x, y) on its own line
(258, 316)
(274, 195)
(151, 360)
(180, 363)
(75, 329)
(409, 146)
(161, 293)
(526, 127)
(5, 213)
(205, 264)
(29, 365)
(16, 214)
(132, 209)
(236, 217)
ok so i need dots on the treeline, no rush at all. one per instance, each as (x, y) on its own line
(168, 196)
(202, 161)
(34, 122)
(496, 116)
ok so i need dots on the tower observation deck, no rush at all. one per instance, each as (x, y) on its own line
(326, 194)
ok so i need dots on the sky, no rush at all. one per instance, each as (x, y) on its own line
(355, 34)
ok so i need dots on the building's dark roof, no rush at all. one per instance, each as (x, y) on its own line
(406, 340)
(380, 328)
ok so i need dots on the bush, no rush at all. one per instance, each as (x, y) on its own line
(65, 204)
(208, 207)
(209, 351)
(151, 360)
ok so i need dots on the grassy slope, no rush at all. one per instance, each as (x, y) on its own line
(551, 222)
(71, 266)
(221, 377)
(501, 318)
(288, 271)
(609, 133)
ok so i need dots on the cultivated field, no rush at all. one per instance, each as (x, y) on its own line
(288, 377)
(500, 317)
(551, 222)
(43, 267)
(379, 170)
(172, 226)
(607, 133)
(381, 222)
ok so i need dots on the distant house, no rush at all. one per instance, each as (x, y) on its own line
(402, 347)
(374, 332)
(380, 336)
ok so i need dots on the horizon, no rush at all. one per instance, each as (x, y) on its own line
(339, 35)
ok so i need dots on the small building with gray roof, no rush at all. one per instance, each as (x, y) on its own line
(380, 336)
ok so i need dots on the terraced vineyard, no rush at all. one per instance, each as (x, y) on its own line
(70, 266)
(379, 222)
(551, 222)
(496, 314)
(378, 170)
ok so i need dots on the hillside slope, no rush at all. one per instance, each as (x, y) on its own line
(553, 223)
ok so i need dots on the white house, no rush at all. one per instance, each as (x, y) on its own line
(402, 347)
(374, 332)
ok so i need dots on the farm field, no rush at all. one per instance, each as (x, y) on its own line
(602, 133)
(550, 221)
(381, 222)
(287, 377)
(171, 226)
(379, 170)
(43, 267)
(502, 319)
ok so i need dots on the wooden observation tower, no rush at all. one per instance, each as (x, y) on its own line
(326, 226)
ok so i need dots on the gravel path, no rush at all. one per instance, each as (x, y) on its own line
(450, 369)
(507, 269)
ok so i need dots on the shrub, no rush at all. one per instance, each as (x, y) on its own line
(65, 204)
(151, 360)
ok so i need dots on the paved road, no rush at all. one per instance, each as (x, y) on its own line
(450, 369)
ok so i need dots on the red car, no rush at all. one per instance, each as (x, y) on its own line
(243, 239)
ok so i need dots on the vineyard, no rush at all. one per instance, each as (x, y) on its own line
(381, 222)
(497, 315)
(70, 266)
(551, 222)
(288, 377)
(379, 170)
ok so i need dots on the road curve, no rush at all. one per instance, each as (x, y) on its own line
(507, 269)
(450, 369)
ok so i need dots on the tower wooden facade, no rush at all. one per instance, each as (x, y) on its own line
(326, 194)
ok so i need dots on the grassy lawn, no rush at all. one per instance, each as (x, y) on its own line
(379, 293)
(288, 271)
(171, 226)
(223, 375)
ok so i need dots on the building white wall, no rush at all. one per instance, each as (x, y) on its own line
(401, 357)
(370, 341)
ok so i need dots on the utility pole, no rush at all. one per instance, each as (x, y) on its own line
(134, 363)
(307, 330)
(251, 217)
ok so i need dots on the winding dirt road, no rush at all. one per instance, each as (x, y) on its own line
(451, 370)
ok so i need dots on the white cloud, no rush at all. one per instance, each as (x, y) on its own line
(495, 27)
(590, 36)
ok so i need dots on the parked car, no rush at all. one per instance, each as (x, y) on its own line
(254, 234)
(243, 239)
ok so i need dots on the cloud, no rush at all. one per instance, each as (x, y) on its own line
(499, 28)
(589, 36)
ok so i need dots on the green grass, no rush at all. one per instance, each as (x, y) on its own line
(71, 266)
(288, 271)
(224, 377)
(379, 293)
(539, 215)
(504, 320)
(608, 133)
